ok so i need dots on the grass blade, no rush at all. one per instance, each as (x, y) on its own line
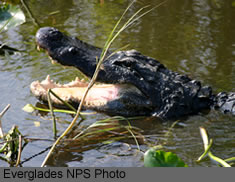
(52, 113)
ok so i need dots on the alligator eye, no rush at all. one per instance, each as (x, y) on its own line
(55, 34)
(73, 50)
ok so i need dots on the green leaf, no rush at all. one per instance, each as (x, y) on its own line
(159, 158)
(10, 16)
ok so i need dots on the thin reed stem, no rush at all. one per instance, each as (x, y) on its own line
(61, 100)
(1, 115)
(19, 151)
(52, 114)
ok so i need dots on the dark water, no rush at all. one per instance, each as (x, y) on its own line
(194, 37)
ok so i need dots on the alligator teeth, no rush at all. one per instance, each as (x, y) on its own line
(48, 78)
(53, 62)
(94, 103)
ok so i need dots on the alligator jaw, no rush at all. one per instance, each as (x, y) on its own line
(73, 91)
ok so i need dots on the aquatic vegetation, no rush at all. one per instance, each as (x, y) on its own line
(159, 158)
(12, 144)
(207, 145)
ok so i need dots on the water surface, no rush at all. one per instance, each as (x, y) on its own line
(193, 37)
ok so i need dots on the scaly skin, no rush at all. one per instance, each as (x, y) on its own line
(145, 86)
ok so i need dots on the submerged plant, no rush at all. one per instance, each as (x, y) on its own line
(104, 131)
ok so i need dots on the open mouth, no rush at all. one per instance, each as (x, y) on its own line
(73, 91)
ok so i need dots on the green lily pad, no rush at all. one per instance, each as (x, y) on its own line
(10, 16)
(159, 158)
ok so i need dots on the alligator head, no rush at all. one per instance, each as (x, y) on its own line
(129, 82)
(109, 96)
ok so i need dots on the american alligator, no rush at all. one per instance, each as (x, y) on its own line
(130, 84)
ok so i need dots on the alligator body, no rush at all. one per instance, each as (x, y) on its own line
(131, 84)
